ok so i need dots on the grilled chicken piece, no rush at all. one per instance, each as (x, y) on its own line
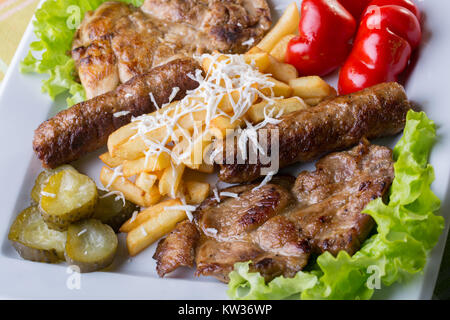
(86, 126)
(333, 125)
(118, 41)
(278, 225)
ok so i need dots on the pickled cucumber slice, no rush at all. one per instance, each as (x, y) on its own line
(33, 240)
(91, 245)
(112, 211)
(67, 197)
(42, 179)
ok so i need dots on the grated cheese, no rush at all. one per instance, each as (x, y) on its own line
(211, 231)
(266, 179)
(119, 195)
(133, 216)
(229, 194)
(120, 114)
(82, 232)
(249, 42)
(216, 194)
(227, 75)
(117, 173)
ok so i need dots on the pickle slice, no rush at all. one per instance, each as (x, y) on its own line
(112, 211)
(67, 197)
(34, 240)
(42, 179)
(91, 245)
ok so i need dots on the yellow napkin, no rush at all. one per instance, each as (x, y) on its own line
(14, 18)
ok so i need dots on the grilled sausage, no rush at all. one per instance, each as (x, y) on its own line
(86, 126)
(333, 125)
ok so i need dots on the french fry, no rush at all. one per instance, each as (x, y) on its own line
(154, 228)
(279, 51)
(110, 161)
(146, 181)
(313, 89)
(193, 152)
(147, 213)
(206, 63)
(256, 112)
(287, 24)
(170, 180)
(206, 168)
(280, 89)
(314, 101)
(221, 124)
(153, 163)
(282, 71)
(196, 191)
(260, 60)
(131, 192)
(119, 137)
(225, 104)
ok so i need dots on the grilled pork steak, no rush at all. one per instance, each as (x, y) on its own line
(330, 199)
(333, 125)
(86, 126)
(118, 41)
(278, 225)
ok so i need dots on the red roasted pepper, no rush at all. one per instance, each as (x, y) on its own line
(325, 31)
(355, 7)
(383, 46)
(407, 4)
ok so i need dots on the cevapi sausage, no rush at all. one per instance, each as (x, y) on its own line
(333, 125)
(85, 127)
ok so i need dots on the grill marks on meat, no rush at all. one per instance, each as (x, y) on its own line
(320, 212)
(238, 222)
(333, 125)
(118, 41)
(331, 198)
(177, 249)
(86, 126)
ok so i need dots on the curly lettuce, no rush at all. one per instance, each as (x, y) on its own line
(54, 25)
(407, 229)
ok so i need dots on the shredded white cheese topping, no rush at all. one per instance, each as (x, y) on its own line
(120, 114)
(211, 231)
(216, 194)
(229, 194)
(82, 232)
(227, 74)
(266, 180)
(117, 173)
(249, 42)
(133, 216)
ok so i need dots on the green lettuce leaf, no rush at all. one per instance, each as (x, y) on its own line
(407, 229)
(54, 26)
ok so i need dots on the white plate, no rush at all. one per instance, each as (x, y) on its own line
(23, 107)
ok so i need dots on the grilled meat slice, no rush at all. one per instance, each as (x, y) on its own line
(278, 225)
(333, 125)
(230, 232)
(86, 126)
(331, 198)
(118, 41)
(180, 244)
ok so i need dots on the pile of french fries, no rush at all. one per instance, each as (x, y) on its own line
(146, 181)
